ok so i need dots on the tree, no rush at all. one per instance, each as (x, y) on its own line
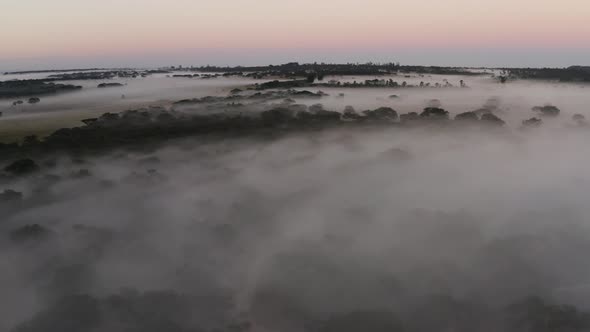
(31, 140)
(434, 113)
(491, 118)
(466, 116)
(22, 167)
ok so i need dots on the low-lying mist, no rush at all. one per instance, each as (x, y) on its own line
(440, 228)
(514, 99)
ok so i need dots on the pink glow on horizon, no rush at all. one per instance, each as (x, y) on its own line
(68, 27)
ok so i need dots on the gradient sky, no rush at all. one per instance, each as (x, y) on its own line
(45, 33)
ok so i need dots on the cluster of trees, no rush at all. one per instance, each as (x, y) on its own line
(21, 88)
(374, 83)
(149, 125)
(109, 85)
(547, 110)
(51, 71)
(12, 89)
(295, 116)
(293, 69)
(155, 124)
(437, 70)
(235, 96)
(570, 74)
(284, 84)
(98, 75)
(389, 83)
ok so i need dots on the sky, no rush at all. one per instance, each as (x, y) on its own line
(69, 33)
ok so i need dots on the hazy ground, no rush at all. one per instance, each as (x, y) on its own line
(289, 231)
(67, 109)
(62, 110)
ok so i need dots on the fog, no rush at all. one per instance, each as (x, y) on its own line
(67, 109)
(285, 232)
(155, 89)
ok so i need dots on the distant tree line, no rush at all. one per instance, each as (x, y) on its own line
(570, 74)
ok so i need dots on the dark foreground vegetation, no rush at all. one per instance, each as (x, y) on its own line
(317, 287)
(312, 289)
(317, 291)
(175, 312)
(152, 125)
(239, 114)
